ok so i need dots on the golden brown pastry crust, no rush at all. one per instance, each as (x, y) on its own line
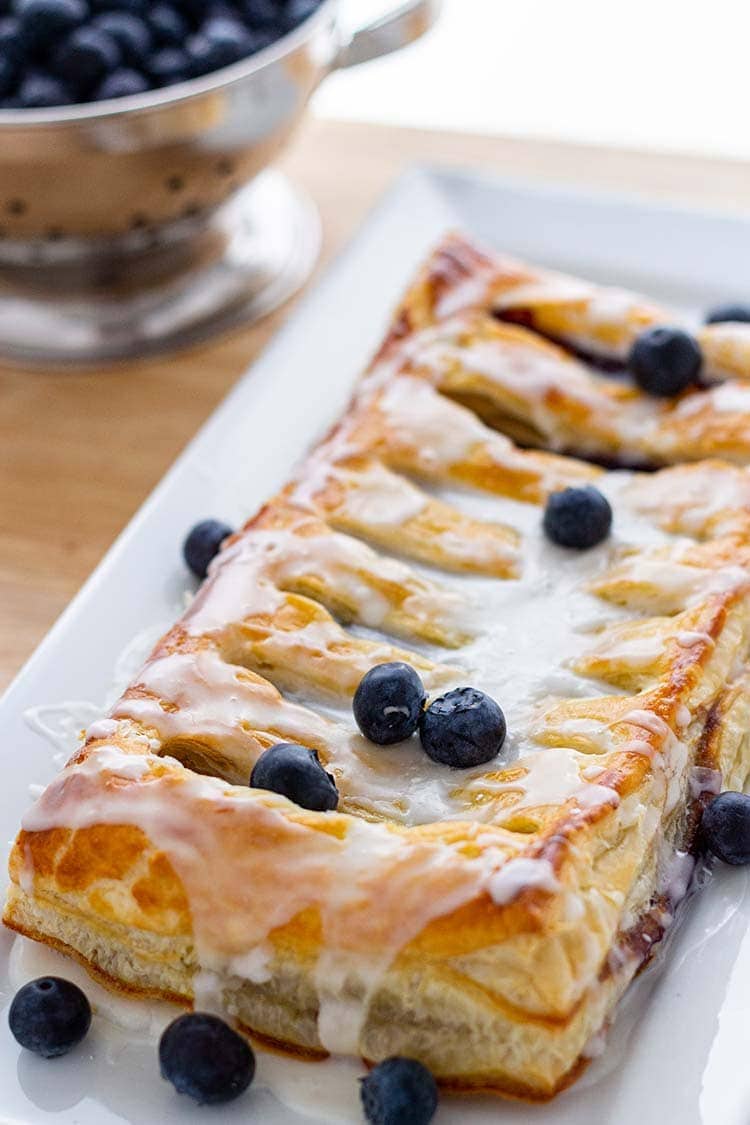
(495, 941)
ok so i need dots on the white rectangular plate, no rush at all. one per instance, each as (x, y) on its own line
(680, 1056)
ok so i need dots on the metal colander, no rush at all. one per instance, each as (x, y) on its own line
(117, 219)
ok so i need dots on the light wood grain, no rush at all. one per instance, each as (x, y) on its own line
(80, 451)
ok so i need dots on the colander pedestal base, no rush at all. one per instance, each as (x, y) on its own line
(178, 288)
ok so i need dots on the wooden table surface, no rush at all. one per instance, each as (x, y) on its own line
(79, 452)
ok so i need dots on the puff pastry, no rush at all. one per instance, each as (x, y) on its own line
(484, 921)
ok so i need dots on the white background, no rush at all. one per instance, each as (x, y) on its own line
(637, 73)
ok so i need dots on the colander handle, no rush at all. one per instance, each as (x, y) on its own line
(398, 28)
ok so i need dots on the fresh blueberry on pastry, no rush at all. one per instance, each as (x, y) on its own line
(203, 544)
(295, 772)
(49, 1016)
(388, 703)
(399, 1092)
(725, 828)
(579, 518)
(665, 361)
(463, 728)
(205, 1059)
(729, 314)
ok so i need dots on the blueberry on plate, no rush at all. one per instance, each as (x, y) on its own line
(132, 35)
(665, 361)
(463, 728)
(121, 83)
(577, 517)
(725, 827)
(203, 544)
(49, 1016)
(731, 313)
(204, 1058)
(39, 91)
(44, 22)
(399, 1092)
(388, 703)
(86, 57)
(295, 772)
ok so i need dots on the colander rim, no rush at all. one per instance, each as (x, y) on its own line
(177, 94)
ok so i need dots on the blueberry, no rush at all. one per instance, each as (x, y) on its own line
(297, 11)
(399, 1092)
(86, 57)
(169, 65)
(578, 517)
(168, 26)
(220, 42)
(134, 7)
(725, 827)
(39, 91)
(263, 13)
(44, 22)
(664, 361)
(12, 43)
(463, 728)
(122, 83)
(723, 314)
(49, 1016)
(203, 544)
(295, 772)
(131, 34)
(204, 1058)
(7, 76)
(388, 703)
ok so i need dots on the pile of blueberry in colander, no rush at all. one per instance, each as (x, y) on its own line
(60, 52)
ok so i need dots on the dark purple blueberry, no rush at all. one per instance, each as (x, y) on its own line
(295, 772)
(220, 42)
(578, 518)
(266, 14)
(725, 827)
(133, 7)
(44, 22)
(122, 83)
(41, 91)
(169, 65)
(168, 26)
(86, 58)
(399, 1091)
(463, 728)
(7, 76)
(731, 313)
(131, 34)
(388, 703)
(49, 1016)
(203, 544)
(665, 361)
(205, 1059)
(297, 11)
(12, 44)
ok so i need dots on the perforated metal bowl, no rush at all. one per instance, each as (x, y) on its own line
(147, 222)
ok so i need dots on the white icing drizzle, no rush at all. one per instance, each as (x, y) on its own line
(522, 874)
